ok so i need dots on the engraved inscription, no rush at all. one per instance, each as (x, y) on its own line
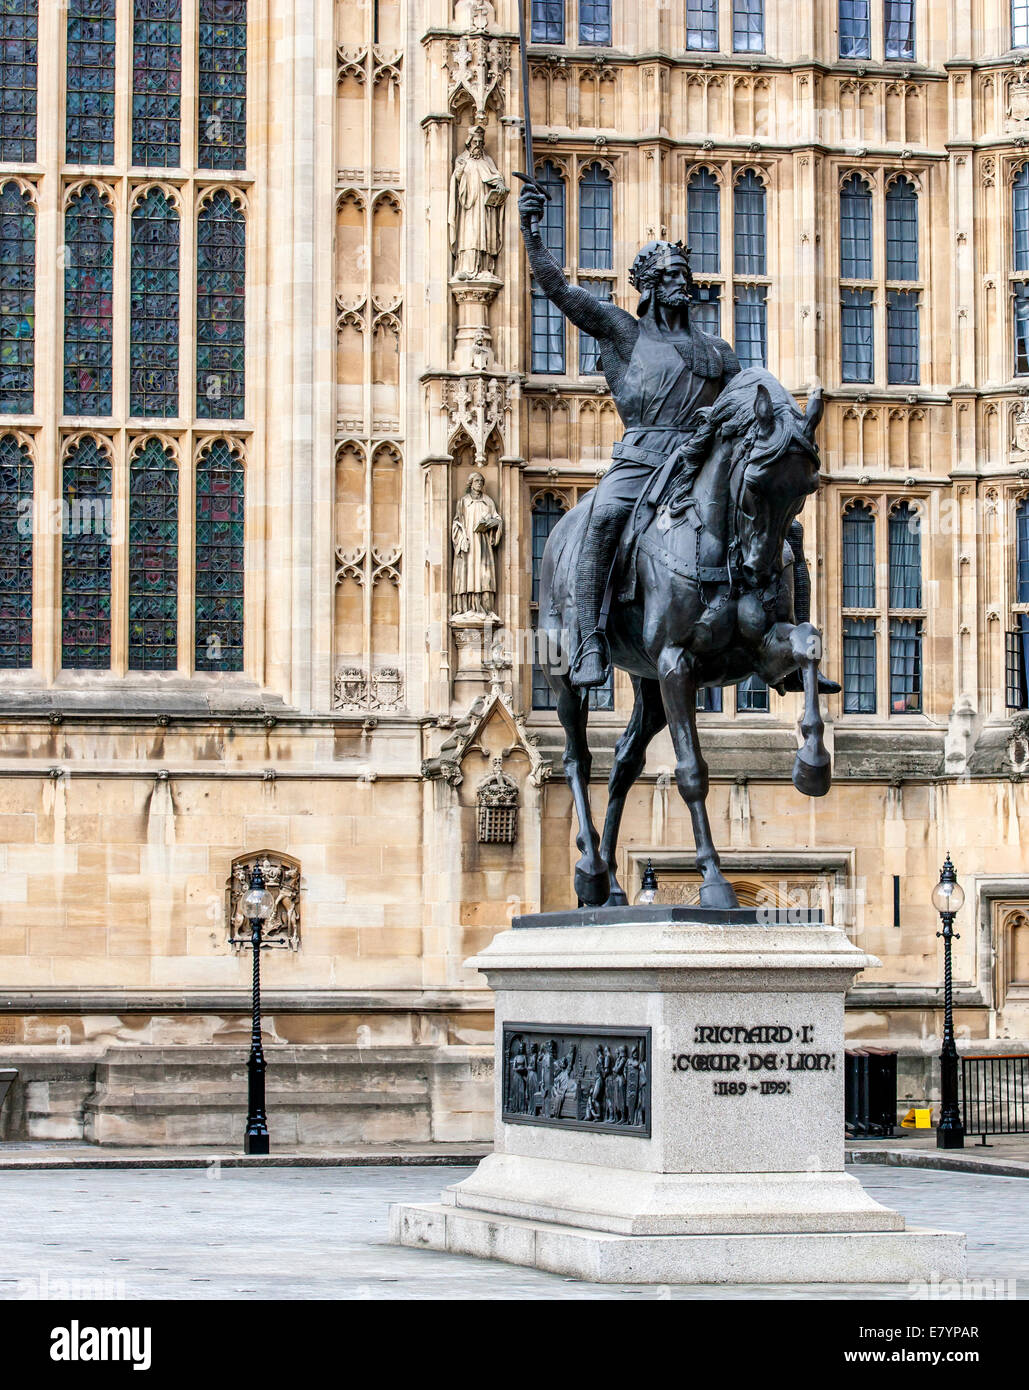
(784, 1049)
(581, 1078)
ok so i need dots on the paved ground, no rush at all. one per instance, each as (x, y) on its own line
(308, 1233)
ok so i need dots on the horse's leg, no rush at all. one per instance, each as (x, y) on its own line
(785, 648)
(812, 773)
(647, 719)
(680, 701)
(591, 882)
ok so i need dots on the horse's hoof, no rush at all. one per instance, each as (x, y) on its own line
(811, 779)
(718, 894)
(591, 889)
(617, 898)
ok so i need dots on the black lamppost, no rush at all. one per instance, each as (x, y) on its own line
(948, 897)
(257, 905)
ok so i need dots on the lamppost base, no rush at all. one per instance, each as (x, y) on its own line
(950, 1138)
(258, 1143)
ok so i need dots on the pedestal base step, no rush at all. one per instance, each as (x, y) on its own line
(851, 1257)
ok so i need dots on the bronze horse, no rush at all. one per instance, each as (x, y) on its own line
(706, 599)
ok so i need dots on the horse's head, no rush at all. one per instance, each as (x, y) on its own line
(775, 469)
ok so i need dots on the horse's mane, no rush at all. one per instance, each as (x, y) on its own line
(732, 417)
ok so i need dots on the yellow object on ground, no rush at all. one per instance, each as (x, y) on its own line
(917, 1118)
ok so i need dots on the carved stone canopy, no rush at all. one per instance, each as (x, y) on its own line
(282, 880)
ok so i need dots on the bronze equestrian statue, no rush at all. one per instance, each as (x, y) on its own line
(710, 586)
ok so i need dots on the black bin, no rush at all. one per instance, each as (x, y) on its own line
(870, 1110)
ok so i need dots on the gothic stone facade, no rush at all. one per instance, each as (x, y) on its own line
(856, 221)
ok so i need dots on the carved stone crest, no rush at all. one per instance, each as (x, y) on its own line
(354, 690)
(497, 807)
(282, 880)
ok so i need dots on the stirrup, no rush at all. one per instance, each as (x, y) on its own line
(591, 661)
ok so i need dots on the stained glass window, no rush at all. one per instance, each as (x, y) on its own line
(748, 26)
(858, 557)
(594, 21)
(859, 666)
(703, 223)
(899, 29)
(219, 560)
(1020, 218)
(88, 291)
(856, 335)
(154, 345)
(905, 544)
(15, 555)
(156, 82)
(548, 21)
(706, 309)
(902, 364)
(221, 309)
(1020, 23)
(153, 559)
(855, 29)
(17, 300)
(19, 30)
(749, 225)
(901, 231)
(223, 85)
(751, 326)
(86, 559)
(89, 137)
(905, 666)
(588, 349)
(855, 229)
(702, 25)
(595, 228)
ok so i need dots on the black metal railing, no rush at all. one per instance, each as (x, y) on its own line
(995, 1094)
(870, 1091)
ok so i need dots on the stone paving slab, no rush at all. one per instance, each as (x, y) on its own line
(320, 1233)
(75, 1156)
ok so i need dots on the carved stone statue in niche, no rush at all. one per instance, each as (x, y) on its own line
(477, 196)
(476, 534)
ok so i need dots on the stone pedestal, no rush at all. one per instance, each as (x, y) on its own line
(669, 1108)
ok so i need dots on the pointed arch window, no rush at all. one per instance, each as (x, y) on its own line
(703, 223)
(153, 559)
(858, 557)
(905, 609)
(855, 229)
(218, 581)
(19, 34)
(547, 321)
(595, 219)
(221, 309)
(1020, 218)
(16, 505)
(88, 303)
(1017, 637)
(17, 300)
(859, 629)
(86, 559)
(750, 324)
(749, 225)
(89, 136)
(154, 335)
(222, 113)
(901, 231)
(156, 82)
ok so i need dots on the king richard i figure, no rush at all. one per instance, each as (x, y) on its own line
(661, 371)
